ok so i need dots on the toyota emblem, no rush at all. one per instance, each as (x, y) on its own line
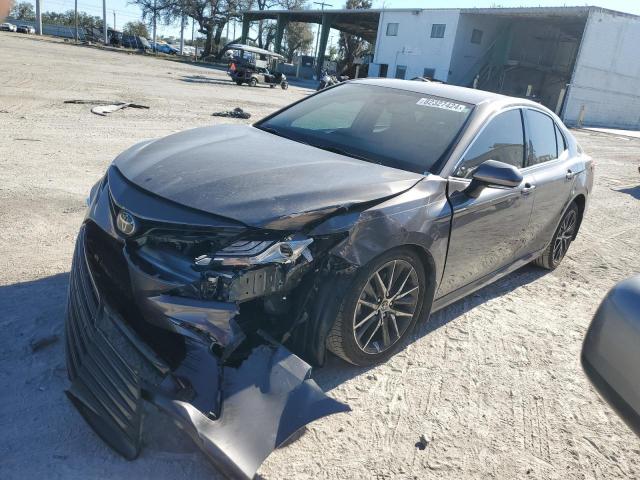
(126, 223)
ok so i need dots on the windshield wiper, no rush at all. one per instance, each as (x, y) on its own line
(340, 151)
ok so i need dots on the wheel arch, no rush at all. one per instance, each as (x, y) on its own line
(581, 201)
(429, 268)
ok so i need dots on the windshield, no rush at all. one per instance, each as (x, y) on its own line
(397, 128)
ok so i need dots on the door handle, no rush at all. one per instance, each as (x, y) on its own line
(570, 174)
(528, 188)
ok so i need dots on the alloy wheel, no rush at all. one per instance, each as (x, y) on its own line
(386, 306)
(566, 230)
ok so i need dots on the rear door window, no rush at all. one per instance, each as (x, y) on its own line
(562, 143)
(541, 132)
(502, 140)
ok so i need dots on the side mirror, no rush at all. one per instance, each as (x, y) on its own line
(611, 351)
(493, 174)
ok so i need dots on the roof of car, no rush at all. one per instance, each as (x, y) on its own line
(462, 94)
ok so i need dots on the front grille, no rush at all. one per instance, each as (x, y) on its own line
(106, 362)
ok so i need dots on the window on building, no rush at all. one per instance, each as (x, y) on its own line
(501, 140)
(437, 30)
(384, 69)
(542, 138)
(476, 36)
(392, 29)
(401, 71)
(429, 73)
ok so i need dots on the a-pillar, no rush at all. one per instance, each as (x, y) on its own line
(324, 36)
(281, 25)
(245, 30)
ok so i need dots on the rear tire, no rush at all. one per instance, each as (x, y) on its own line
(380, 308)
(561, 240)
(253, 82)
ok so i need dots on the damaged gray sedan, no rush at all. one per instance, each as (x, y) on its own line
(216, 265)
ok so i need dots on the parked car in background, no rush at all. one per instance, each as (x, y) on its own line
(7, 27)
(164, 48)
(26, 29)
(136, 42)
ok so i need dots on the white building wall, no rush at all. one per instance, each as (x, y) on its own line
(606, 79)
(413, 46)
(465, 54)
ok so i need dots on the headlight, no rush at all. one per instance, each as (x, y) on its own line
(246, 253)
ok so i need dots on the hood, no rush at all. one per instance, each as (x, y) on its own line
(255, 177)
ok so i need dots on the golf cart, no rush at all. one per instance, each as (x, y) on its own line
(252, 65)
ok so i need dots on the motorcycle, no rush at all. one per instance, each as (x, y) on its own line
(327, 80)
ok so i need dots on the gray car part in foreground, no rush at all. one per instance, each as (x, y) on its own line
(611, 350)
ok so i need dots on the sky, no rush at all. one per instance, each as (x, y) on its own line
(125, 12)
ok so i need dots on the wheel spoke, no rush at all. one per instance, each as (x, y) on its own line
(395, 325)
(402, 286)
(362, 322)
(375, 330)
(368, 304)
(399, 313)
(398, 297)
(381, 284)
(393, 271)
(386, 340)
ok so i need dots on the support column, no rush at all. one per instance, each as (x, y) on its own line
(245, 30)
(282, 23)
(105, 30)
(38, 18)
(324, 36)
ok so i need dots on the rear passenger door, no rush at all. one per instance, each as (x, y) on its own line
(553, 170)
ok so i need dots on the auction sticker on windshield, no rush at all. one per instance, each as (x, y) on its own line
(443, 104)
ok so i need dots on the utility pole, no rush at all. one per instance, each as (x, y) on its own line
(155, 46)
(114, 20)
(322, 5)
(104, 22)
(182, 34)
(76, 20)
(38, 18)
(193, 43)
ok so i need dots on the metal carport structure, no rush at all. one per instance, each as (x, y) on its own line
(361, 22)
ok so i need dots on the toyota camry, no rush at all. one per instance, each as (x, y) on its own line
(216, 264)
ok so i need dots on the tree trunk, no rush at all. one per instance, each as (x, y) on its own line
(208, 44)
(218, 36)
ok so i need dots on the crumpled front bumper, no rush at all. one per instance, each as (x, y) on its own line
(237, 414)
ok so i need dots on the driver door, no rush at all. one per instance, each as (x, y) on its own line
(488, 232)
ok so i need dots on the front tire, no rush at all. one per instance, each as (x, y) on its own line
(561, 240)
(253, 82)
(380, 308)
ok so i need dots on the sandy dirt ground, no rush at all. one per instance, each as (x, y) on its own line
(493, 382)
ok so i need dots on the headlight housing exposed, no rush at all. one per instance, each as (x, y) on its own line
(247, 253)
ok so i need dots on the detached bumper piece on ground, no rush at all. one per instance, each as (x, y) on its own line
(237, 407)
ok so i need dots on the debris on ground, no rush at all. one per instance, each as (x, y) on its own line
(104, 107)
(235, 113)
(43, 342)
(423, 442)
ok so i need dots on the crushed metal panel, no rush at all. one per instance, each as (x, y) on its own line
(265, 401)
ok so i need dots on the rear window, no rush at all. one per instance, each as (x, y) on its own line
(542, 137)
(397, 128)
